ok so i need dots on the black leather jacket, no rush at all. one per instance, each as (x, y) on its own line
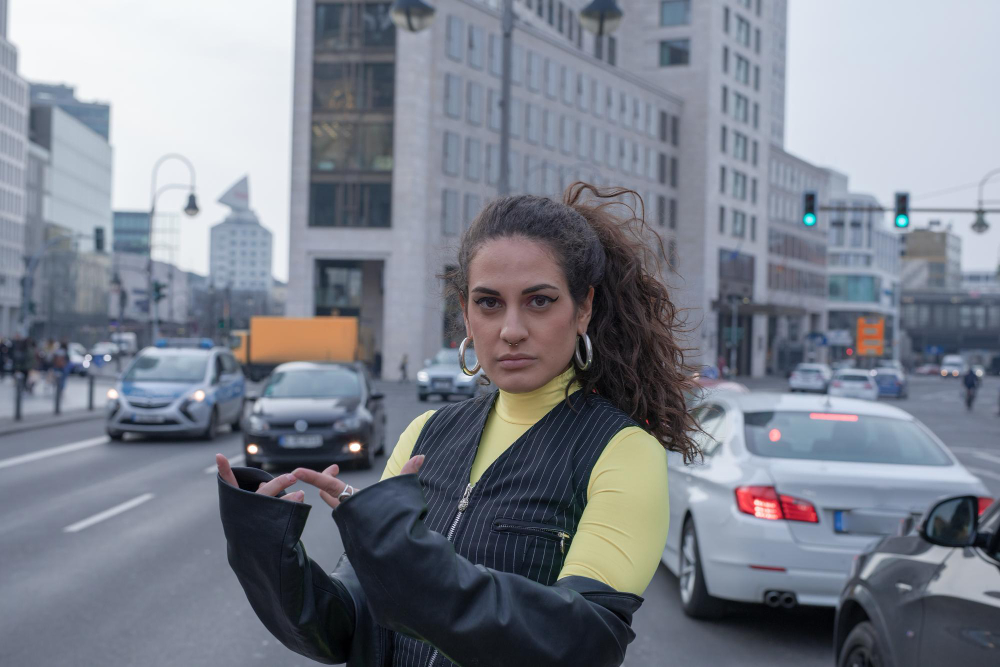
(408, 579)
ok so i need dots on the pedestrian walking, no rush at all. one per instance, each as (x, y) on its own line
(518, 527)
(60, 364)
(402, 367)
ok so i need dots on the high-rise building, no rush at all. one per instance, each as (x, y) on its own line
(95, 115)
(726, 61)
(241, 247)
(13, 165)
(395, 149)
(131, 232)
(932, 259)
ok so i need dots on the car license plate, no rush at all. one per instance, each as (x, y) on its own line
(300, 440)
(441, 384)
(147, 419)
(867, 522)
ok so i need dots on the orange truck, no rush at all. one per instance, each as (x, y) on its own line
(272, 341)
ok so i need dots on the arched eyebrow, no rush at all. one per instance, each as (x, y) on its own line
(527, 290)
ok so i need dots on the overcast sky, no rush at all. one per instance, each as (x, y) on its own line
(898, 94)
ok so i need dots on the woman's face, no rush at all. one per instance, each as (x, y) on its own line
(520, 315)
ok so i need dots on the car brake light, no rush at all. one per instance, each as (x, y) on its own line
(868, 385)
(837, 383)
(832, 417)
(764, 502)
(984, 504)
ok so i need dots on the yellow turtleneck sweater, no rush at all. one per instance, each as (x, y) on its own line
(623, 529)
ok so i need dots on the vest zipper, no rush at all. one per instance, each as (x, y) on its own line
(539, 531)
(463, 505)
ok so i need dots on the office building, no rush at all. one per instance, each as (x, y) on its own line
(932, 259)
(130, 232)
(395, 149)
(240, 255)
(95, 115)
(981, 282)
(13, 167)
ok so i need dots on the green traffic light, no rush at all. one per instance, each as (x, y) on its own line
(902, 221)
(809, 219)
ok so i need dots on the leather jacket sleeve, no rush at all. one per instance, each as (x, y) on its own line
(323, 617)
(416, 584)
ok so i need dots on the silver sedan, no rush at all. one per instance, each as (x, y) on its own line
(791, 489)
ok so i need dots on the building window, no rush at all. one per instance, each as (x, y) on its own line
(722, 219)
(343, 26)
(516, 118)
(531, 123)
(753, 227)
(599, 47)
(672, 218)
(725, 20)
(492, 164)
(517, 65)
(611, 106)
(725, 99)
(474, 103)
(725, 60)
(661, 210)
(664, 126)
(454, 47)
(350, 86)
(754, 154)
(477, 47)
(449, 213)
(722, 179)
(612, 51)
(349, 146)
(493, 109)
(451, 153)
(756, 77)
(471, 209)
(562, 10)
(566, 85)
(753, 190)
(496, 55)
(675, 12)
(723, 139)
(673, 172)
(549, 129)
(739, 224)
(453, 95)
(662, 169)
(473, 159)
(564, 136)
(552, 13)
(674, 52)
(675, 135)
(742, 31)
(756, 110)
(583, 92)
(742, 70)
(534, 71)
(350, 204)
(756, 40)
(551, 79)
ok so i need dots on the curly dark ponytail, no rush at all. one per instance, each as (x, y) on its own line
(638, 363)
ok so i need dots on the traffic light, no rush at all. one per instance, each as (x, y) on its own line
(809, 209)
(99, 239)
(159, 292)
(902, 210)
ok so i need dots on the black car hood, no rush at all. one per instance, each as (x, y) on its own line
(314, 409)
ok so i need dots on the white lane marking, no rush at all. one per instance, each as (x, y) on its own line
(987, 473)
(237, 460)
(992, 458)
(108, 513)
(53, 451)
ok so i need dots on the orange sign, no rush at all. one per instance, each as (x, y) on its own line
(871, 336)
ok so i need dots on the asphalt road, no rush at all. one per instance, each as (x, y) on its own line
(148, 584)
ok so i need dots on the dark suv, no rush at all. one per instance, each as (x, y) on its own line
(929, 596)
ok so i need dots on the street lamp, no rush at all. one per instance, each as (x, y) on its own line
(190, 209)
(599, 17)
(411, 15)
(980, 225)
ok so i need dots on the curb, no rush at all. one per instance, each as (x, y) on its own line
(9, 426)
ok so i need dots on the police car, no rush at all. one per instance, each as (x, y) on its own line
(178, 387)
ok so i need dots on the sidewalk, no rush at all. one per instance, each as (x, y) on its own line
(38, 409)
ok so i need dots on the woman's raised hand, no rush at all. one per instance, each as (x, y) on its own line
(329, 486)
(272, 488)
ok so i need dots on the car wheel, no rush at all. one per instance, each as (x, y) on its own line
(422, 397)
(695, 600)
(213, 426)
(115, 435)
(861, 648)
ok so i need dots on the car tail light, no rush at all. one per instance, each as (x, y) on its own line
(764, 502)
(984, 504)
(868, 385)
(838, 383)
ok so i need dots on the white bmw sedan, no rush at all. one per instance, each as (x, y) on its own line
(791, 489)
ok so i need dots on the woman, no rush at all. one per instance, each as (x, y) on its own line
(538, 513)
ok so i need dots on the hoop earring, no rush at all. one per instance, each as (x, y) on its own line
(580, 363)
(461, 358)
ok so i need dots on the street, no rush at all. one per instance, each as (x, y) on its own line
(113, 553)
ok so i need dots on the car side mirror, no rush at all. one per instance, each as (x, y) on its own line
(377, 396)
(952, 522)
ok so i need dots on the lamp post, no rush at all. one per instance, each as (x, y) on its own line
(599, 17)
(191, 209)
(980, 225)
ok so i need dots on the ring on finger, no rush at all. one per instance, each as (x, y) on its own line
(346, 493)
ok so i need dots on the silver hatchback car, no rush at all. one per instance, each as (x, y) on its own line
(443, 376)
(178, 388)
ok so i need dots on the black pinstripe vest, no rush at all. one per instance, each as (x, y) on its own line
(521, 515)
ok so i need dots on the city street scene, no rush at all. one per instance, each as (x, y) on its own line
(644, 332)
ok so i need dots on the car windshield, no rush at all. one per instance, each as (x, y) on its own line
(173, 367)
(854, 376)
(823, 436)
(320, 383)
(807, 370)
(449, 357)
